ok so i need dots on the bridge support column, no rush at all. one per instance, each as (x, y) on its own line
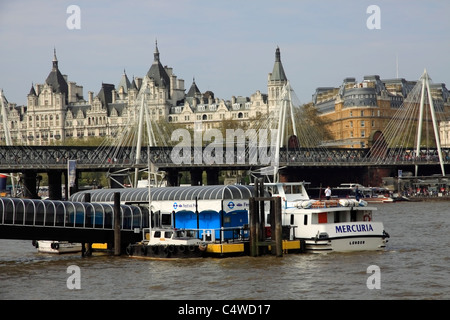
(54, 185)
(196, 177)
(116, 181)
(172, 178)
(375, 175)
(29, 184)
(212, 176)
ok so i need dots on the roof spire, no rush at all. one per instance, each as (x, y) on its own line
(156, 54)
(278, 73)
(55, 60)
(277, 55)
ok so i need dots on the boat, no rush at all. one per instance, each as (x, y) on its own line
(379, 199)
(169, 243)
(338, 225)
(49, 246)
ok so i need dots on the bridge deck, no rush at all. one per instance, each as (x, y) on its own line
(19, 158)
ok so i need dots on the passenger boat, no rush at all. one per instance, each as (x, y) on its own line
(169, 243)
(328, 225)
(49, 246)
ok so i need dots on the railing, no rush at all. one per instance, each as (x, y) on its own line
(56, 157)
(52, 213)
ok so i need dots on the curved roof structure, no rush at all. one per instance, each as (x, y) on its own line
(169, 193)
(56, 213)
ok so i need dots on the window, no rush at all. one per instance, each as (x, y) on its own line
(363, 123)
(323, 217)
(305, 219)
(167, 234)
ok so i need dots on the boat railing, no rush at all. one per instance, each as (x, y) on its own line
(314, 204)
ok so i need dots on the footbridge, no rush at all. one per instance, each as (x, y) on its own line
(42, 158)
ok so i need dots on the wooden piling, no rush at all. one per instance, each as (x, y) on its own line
(117, 240)
(261, 214)
(86, 247)
(253, 227)
(277, 229)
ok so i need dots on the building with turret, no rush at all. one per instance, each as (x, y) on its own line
(58, 110)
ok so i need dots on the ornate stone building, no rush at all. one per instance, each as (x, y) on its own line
(57, 110)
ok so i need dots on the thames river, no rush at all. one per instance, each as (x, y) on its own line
(415, 265)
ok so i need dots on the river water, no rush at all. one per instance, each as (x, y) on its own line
(415, 265)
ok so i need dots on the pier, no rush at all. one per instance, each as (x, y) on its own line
(82, 222)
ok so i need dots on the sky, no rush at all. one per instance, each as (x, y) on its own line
(228, 46)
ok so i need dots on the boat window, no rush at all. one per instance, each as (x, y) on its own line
(337, 217)
(168, 234)
(180, 234)
(292, 219)
(323, 217)
(305, 219)
(157, 234)
(166, 219)
(352, 215)
(340, 216)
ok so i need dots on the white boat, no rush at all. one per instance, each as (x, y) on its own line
(171, 243)
(48, 246)
(379, 199)
(328, 225)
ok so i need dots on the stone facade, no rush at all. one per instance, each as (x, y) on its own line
(57, 110)
(356, 111)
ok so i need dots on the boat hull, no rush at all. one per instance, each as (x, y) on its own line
(58, 247)
(166, 251)
(347, 244)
